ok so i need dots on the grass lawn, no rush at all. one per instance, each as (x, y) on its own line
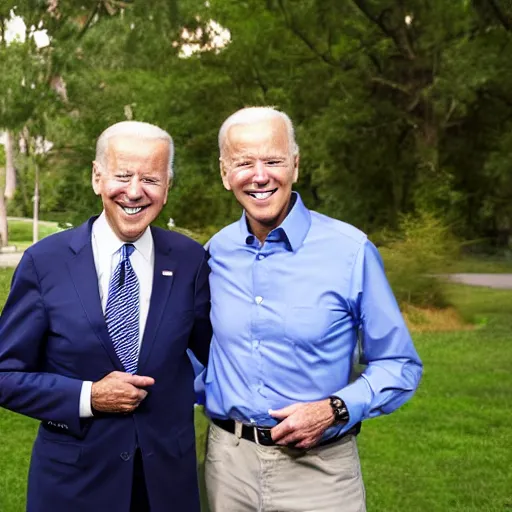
(21, 230)
(449, 449)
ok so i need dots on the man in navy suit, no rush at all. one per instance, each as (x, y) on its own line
(94, 339)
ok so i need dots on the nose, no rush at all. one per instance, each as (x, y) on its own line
(134, 189)
(260, 173)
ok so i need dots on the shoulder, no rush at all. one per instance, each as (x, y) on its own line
(50, 255)
(338, 230)
(56, 244)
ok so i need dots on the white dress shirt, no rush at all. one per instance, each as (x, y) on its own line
(106, 250)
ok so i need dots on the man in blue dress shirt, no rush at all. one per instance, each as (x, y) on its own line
(292, 292)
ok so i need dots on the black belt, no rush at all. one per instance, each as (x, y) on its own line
(261, 435)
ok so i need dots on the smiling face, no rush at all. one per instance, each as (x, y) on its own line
(258, 165)
(134, 184)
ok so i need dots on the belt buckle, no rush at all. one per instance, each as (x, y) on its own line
(265, 436)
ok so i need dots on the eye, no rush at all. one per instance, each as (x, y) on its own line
(243, 163)
(150, 180)
(275, 162)
(122, 176)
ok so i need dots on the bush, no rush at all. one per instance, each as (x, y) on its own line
(415, 255)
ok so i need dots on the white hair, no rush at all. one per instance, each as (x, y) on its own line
(133, 129)
(249, 115)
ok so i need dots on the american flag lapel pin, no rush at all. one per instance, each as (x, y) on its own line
(167, 273)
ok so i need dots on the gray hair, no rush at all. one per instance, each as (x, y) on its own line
(133, 129)
(249, 115)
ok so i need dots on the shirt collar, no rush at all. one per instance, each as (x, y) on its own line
(110, 243)
(293, 229)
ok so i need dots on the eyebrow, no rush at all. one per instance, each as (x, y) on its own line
(260, 157)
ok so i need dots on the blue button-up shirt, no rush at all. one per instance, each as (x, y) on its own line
(286, 316)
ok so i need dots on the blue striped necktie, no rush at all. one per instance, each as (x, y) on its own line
(122, 311)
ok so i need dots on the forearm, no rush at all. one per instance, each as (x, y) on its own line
(383, 387)
(43, 396)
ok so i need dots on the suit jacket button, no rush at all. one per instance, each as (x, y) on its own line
(125, 456)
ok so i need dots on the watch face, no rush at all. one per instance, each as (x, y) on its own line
(339, 408)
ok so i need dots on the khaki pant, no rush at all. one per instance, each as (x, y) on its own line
(242, 476)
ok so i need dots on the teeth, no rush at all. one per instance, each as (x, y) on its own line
(131, 211)
(261, 195)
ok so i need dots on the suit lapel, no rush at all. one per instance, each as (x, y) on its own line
(163, 278)
(85, 279)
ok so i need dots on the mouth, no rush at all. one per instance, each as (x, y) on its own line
(261, 196)
(132, 210)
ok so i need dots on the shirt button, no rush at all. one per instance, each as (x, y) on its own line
(261, 256)
(125, 456)
(258, 299)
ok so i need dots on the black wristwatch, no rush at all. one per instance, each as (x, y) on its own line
(339, 409)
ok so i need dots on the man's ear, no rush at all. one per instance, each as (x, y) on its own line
(96, 178)
(169, 186)
(224, 174)
(296, 168)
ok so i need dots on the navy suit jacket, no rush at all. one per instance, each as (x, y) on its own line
(53, 336)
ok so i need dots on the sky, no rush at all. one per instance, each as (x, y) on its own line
(16, 31)
(219, 36)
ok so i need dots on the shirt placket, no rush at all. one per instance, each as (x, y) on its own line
(260, 318)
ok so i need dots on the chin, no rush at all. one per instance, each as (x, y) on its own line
(132, 234)
(267, 222)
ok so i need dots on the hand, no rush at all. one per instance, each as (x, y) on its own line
(302, 424)
(119, 392)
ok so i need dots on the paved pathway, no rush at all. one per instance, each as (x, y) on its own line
(489, 280)
(9, 259)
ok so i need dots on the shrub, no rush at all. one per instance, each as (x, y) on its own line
(415, 255)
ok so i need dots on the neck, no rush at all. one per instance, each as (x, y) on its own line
(260, 230)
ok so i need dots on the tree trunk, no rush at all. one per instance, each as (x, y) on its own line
(4, 233)
(10, 171)
(430, 185)
(35, 227)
